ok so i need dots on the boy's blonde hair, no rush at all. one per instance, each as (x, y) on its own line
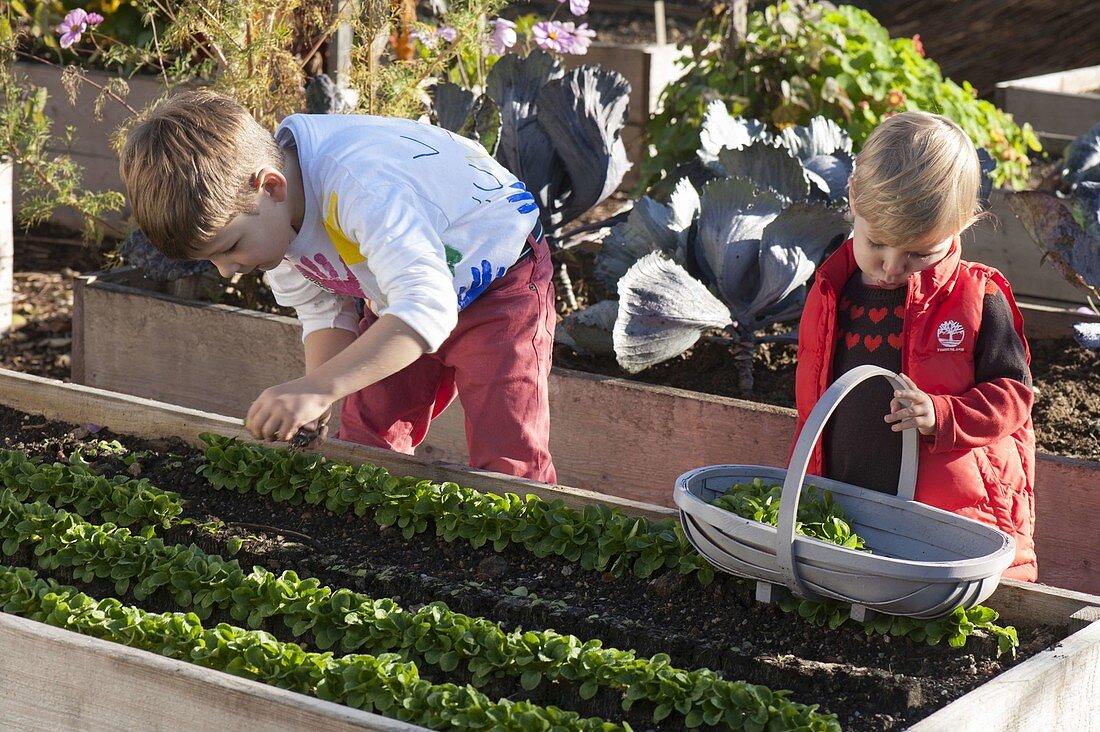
(188, 165)
(918, 174)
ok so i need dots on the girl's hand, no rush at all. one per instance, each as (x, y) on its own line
(911, 407)
(281, 410)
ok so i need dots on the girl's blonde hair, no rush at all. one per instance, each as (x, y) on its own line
(187, 165)
(918, 174)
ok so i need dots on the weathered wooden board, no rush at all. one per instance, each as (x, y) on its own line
(1064, 102)
(608, 435)
(164, 348)
(1058, 689)
(1028, 603)
(53, 679)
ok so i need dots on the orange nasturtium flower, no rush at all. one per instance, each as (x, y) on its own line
(918, 46)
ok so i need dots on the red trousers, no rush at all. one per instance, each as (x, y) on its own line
(496, 360)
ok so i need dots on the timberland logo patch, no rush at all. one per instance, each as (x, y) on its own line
(950, 335)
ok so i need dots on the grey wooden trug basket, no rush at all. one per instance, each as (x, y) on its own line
(924, 562)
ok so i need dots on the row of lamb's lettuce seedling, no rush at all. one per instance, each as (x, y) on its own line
(599, 537)
(120, 500)
(434, 634)
(383, 683)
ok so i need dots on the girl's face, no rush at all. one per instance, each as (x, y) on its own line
(890, 266)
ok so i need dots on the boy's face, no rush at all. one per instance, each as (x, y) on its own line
(255, 241)
(889, 266)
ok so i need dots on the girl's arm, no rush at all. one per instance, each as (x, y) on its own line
(336, 365)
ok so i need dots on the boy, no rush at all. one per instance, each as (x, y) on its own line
(439, 240)
(897, 295)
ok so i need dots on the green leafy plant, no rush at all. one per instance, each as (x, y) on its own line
(793, 65)
(598, 537)
(434, 634)
(75, 486)
(382, 684)
(819, 515)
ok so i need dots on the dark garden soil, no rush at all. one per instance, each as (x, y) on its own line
(877, 683)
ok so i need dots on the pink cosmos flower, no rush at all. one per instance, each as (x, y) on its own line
(431, 36)
(554, 35)
(426, 37)
(577, 7)
(503, 36)
(75, 24)
(582, 39)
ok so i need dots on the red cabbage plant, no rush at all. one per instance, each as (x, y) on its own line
(732, 250)
(560, 132)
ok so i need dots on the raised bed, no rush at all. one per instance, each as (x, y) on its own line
(103, 686)
(55, 679)
(181, 351)
(1060, 106)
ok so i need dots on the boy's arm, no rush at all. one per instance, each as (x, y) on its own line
(1000, 401)
(385, 348)
(322, 345)
(388, 346)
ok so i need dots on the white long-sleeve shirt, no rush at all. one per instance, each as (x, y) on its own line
(414, 219)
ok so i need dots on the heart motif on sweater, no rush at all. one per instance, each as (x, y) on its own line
(899, 312)
(877, 314)
(857, 312)
(872, 342)
(894, 339)
(851, 339)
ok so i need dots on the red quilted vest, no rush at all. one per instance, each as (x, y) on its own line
(992, 484)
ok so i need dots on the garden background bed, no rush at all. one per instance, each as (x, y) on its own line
(608, 434)
(719, 626)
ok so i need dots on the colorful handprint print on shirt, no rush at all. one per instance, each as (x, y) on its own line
(322, 273)
(482, 278)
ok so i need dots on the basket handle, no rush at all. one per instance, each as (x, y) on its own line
(800, 460)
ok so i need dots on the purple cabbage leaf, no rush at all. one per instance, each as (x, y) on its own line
(1082, 158)
(662, 312)
(1066, 230)
(561, 133)
(137, 251)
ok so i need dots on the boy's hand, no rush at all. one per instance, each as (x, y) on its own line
(911, 407)
(281, 410)
(312, 435)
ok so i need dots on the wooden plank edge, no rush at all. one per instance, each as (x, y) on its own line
(1030, 603)
(125, 414)
(119, 281)
(39, 659)
(1058, 688)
